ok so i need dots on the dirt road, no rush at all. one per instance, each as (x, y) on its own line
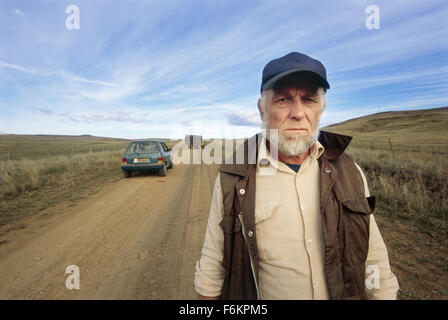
(138, 238)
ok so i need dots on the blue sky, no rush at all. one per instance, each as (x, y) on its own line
(138, 69)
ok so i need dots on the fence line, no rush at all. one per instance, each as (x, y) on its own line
(397, 147)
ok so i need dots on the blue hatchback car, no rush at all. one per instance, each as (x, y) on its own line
(146, 155)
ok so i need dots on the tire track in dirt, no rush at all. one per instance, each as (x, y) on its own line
(195, 230)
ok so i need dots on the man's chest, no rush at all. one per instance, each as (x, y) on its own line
(287, 214)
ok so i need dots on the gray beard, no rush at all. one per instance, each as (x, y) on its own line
(292, 144)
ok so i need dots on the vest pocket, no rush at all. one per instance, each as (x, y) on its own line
(359, 204)
(354, 229)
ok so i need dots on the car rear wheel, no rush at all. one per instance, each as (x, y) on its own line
(127, 174)
(163, 170)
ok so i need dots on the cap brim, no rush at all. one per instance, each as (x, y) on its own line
(283, 74)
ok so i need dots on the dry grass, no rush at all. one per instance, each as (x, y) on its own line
(15, 147)
(410, 186)
(20, 176)
(27, 186)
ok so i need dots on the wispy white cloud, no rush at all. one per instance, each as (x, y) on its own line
(62, 74)
(17, 67)
(369, 81)
(114, 116)
(76, 78)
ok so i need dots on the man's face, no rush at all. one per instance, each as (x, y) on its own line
(295, 112)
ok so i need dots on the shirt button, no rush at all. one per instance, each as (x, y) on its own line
(242, 191)
(327, 170)
(264, 163)
(316, 283)
(250, 233)
(309, 242)
(302, 207)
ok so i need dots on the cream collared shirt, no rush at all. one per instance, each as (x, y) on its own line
(289, 236)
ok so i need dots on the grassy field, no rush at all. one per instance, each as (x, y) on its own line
(28, 186)
(16, 147)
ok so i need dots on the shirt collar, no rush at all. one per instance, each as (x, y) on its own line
(317, 150)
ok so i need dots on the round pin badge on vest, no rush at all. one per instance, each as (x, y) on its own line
(242, 191)
(327, 170)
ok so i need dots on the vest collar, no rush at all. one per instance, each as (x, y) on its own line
(334, 143)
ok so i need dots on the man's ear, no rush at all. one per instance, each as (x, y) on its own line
(325, 104)
(260, 110)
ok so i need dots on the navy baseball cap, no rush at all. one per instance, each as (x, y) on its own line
(291, 63)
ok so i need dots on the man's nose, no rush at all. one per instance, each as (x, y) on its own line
(297, 110)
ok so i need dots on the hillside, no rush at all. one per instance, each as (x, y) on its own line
(416, 130)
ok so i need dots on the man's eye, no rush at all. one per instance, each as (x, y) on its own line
(282, 100)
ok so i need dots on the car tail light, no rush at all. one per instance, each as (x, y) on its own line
(160, 159)
(123, 160)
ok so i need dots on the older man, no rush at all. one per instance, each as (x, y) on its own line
(297, 223)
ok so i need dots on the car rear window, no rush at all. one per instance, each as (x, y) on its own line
(142, 147)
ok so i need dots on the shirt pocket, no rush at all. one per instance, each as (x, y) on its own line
(270, 232)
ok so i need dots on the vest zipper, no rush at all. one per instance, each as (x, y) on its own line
(250, 256)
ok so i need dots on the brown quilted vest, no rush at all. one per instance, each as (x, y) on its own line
(345, 222)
